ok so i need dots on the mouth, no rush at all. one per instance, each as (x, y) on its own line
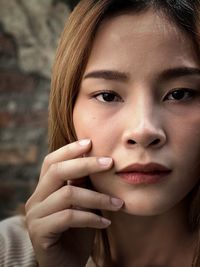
(144, 173)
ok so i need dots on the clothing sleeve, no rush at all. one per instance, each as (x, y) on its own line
(15, 246)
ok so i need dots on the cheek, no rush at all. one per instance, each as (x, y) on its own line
(96, 128)
(85, 126)
(183, 132)
(184, 138)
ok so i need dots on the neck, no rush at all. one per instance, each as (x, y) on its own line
(159, 240)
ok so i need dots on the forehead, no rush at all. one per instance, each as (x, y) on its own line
(148, 38)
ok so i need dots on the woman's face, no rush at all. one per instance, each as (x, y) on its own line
(139, 102)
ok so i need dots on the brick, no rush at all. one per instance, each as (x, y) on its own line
(13, 81)
(26, 56)
(19, 156)
(12, 197)
(25, 119)
(6, 191)
(8, 47)
(5, 119)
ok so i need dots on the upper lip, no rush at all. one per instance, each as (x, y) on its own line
(150, 167)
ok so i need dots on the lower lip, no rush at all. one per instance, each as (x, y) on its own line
(143, 177)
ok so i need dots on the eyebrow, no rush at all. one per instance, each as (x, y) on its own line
(124, 77)
(178, 72)
(108, 75)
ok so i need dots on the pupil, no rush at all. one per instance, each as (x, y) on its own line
(178, 94)
(108, 97)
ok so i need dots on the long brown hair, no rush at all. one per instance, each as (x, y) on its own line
(70, 62)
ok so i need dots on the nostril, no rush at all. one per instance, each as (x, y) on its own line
(155, 142)
(131, 142)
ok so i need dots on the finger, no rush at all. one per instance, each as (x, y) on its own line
(64, 153)
(59, 173)
(61, 221)
(71, 196)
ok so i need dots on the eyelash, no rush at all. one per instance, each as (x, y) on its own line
(108, 92)
(190, 92)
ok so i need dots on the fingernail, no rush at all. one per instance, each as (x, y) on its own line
(104, 161)
(116, 202)
(84, 142)
(105, 221)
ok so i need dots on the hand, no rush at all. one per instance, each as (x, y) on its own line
(59, 216)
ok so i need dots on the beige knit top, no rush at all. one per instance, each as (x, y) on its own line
(15, 246)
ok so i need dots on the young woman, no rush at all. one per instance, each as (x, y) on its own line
(120, 186)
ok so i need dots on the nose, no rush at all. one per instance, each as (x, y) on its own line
(144, 128)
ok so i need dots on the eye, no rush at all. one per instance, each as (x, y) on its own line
(181, 94)
(108, 96)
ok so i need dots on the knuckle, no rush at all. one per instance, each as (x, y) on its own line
(29, 218)
(54, 168)
(35, 234)
(28, 205)
(47, 160)
(69, 191)
(69, 148)
(45, 245)
(32, 228)
(104, 201)
(69, 216)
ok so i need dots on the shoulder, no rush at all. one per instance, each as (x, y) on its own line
(15, 245)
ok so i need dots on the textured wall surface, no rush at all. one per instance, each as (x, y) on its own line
(29, 32)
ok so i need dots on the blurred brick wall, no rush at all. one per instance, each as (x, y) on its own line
(29, 32)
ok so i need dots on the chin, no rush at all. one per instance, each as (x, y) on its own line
(144, 209)
(148, 201)
(139, 212)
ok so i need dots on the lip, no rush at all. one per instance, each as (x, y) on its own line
(150, 167)
(143, 173)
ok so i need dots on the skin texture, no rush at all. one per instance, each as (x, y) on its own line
(144, 123)
(142, 114)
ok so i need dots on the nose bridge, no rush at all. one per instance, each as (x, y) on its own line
(144, 125)
(144, 113)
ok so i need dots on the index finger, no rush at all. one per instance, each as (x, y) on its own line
(74, 169)
(70, 151)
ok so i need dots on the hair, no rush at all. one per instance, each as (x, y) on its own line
(70, 62)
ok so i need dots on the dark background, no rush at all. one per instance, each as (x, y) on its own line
(29, 33)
